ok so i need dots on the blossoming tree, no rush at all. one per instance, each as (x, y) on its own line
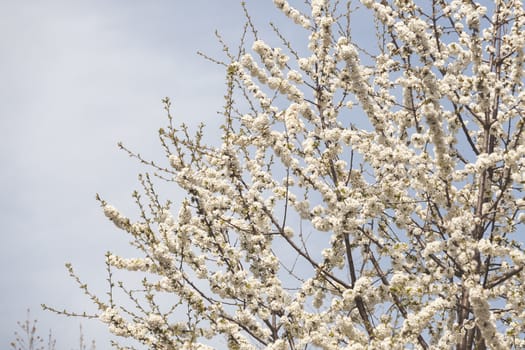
(359, 198)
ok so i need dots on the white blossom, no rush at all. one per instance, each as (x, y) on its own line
(359, 197)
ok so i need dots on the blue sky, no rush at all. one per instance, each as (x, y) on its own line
(77, 77)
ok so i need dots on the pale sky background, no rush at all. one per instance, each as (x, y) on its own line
(76, 77)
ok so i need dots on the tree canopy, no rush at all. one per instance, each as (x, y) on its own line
(359, 197)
